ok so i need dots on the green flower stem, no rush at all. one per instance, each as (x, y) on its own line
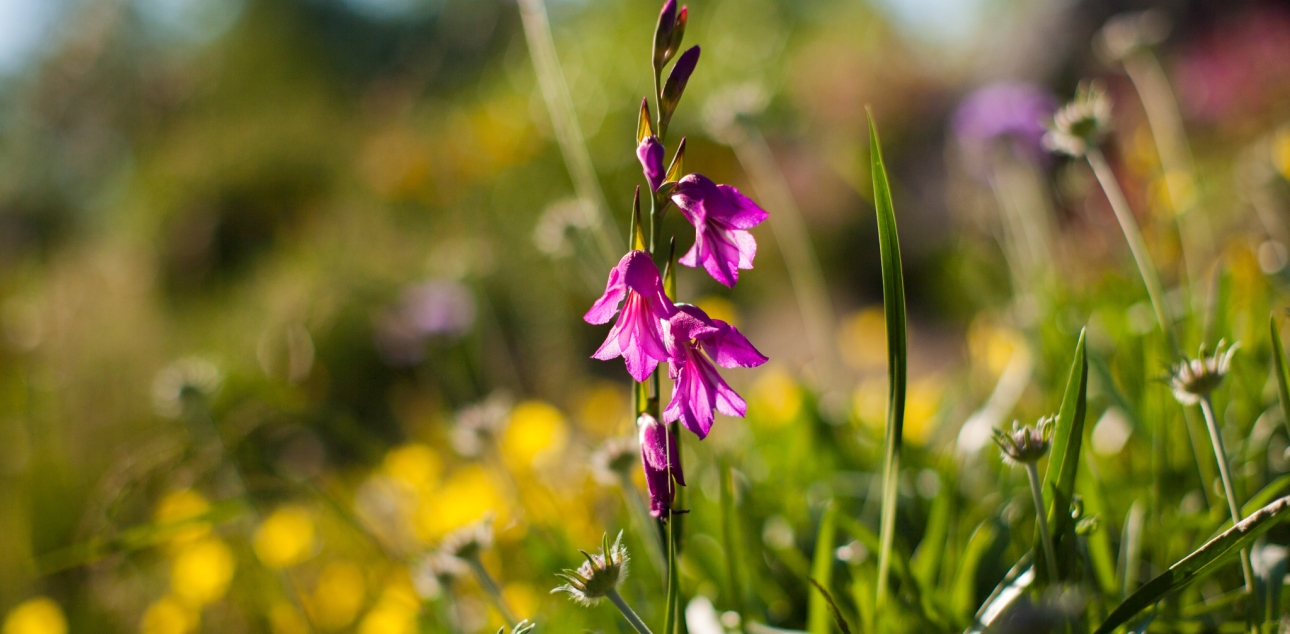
(628, 612)
(1137, 246)
(1041, 520)
(1225, 474)
(490, 587)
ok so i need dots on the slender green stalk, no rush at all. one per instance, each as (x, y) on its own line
(491, 589)
(1137, 246)
(628, 612)
(564, 121)
(1166, 125)
(1225, 474)
(728, 520)
(1045, 538)
(673, 579)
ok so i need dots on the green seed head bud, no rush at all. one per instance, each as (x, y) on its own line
(1082, 123)
(1195, 378)
(599, 575)
(1025, 444)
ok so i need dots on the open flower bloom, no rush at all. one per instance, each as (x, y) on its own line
(660, 455)
(650, 154)
(721, 217)
(637, 336)
(694, 342)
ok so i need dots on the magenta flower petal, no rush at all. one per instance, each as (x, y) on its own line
(650, 154)
(637, 336)
(721, 217)
(730, 348)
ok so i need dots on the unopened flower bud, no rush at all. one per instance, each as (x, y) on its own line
(675, 86)
(1025, 444)
(1082, 123)
(600, 575)
(1195, 378)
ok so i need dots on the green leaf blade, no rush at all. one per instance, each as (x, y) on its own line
(1199, 562)
(817, 612)
(893, 299)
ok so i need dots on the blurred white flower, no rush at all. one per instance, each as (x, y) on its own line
(185, 379)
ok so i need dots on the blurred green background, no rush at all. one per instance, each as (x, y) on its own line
(261, 261)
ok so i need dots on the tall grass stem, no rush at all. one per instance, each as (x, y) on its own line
(1041, 520)
(1137, 246)
(1229, 490)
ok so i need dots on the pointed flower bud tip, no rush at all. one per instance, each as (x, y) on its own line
(1025, 444)
(597, 577)
(1192, 379)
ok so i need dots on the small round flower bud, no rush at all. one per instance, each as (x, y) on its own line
(468, 541)
(1195, 378)
(615, 459)
(600, 575)
(183, 383)
(1128, 33)
(1025, 444)
(1081, 123)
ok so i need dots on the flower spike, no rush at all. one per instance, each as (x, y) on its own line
(1025, 444)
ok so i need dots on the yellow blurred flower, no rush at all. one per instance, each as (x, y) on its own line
(395, 612)
(869, 404)
(1281, 152)
(1164, 187)
(776, 398)
(338, 595)
(415, 464)
(36, 616)
(202, 571)
(285, 538)
(604, 408)
(464, 497)
(284, 618)
(922, 401)
(862, 339)
(168, 615)
(1140, 151)
(535, 435)
(176, 507)
(522, 599)
(990, 346)
(719, 308)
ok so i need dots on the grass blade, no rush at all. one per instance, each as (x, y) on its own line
(1200, 561)
(926, 562)
(817, 615)
(1279, 362)
(729, 540)
(1063, 464)
(963, 591)
(833, 608)
(893, 300)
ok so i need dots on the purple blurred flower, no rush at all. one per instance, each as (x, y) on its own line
(650, 154)
(637, 336)
(1014, 113)
(721, 217)
(1236, 69)
(432, 308)
(694, 341)
(660, 455)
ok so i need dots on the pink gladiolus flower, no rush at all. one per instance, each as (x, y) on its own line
(721, 217)
(637, 336)
(660, 454)
(694, 342)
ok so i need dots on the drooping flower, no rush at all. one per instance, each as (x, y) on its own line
(637, 336)
(1195, 378)
(694, 342)
(721, 217)
(660, 454)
